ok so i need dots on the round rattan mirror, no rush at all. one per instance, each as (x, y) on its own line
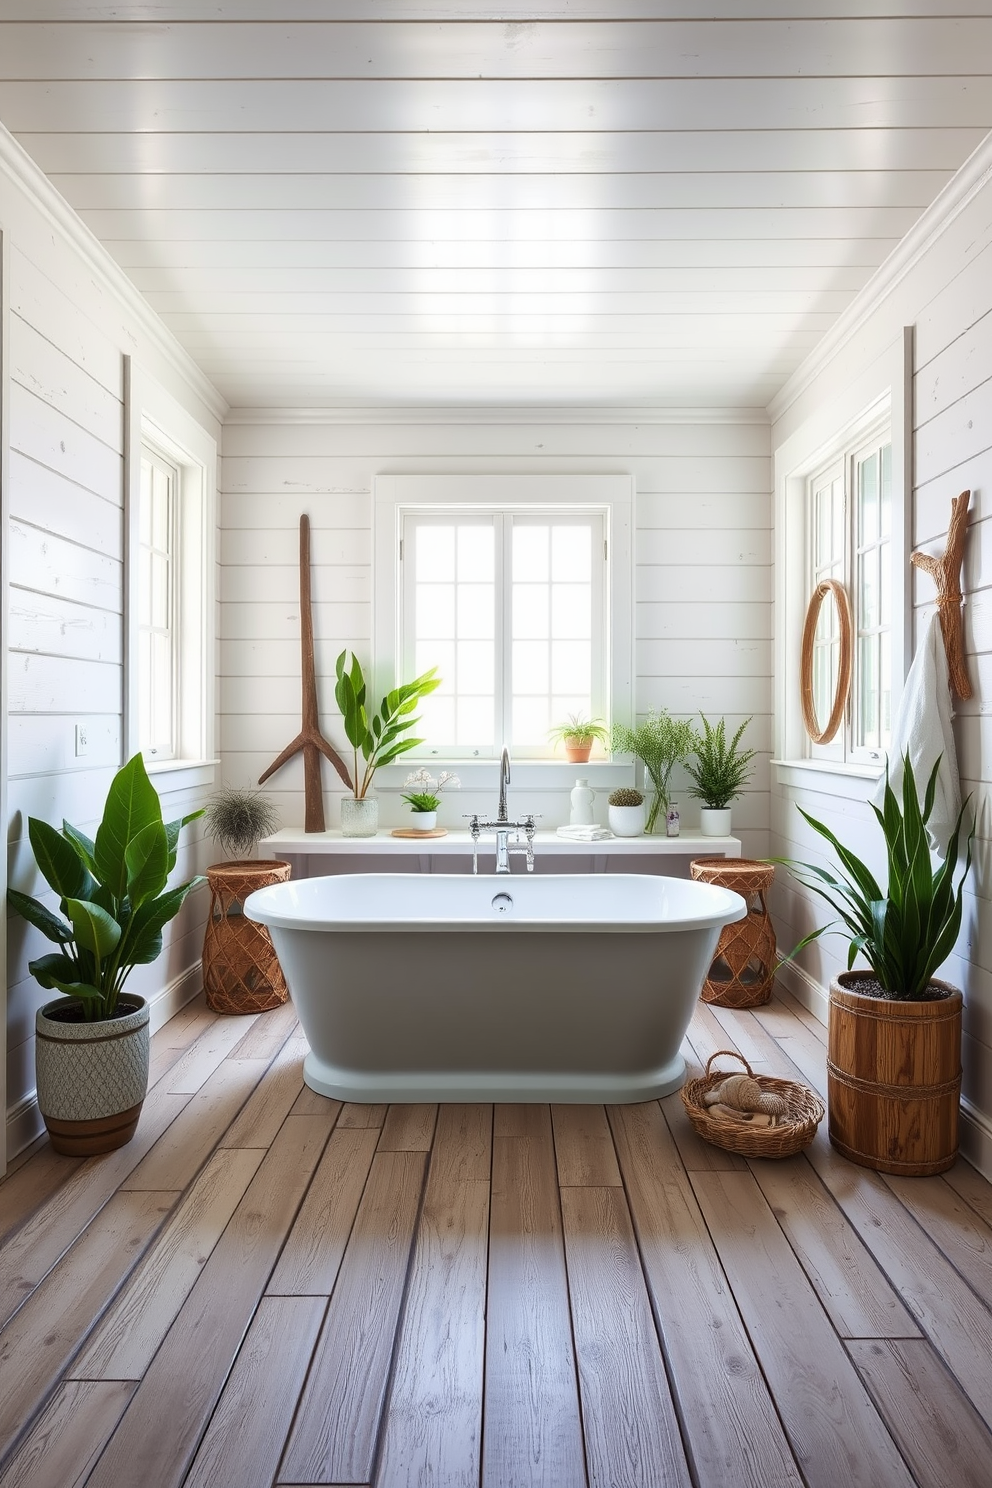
(826, 660)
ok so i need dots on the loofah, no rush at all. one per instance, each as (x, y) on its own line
(743, 1093)
(746, 1118)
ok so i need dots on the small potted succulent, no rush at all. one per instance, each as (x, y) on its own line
(627, 812)
(661, 742)
(424, 799)
(719, 775)
(578, 735)
(379, 738)
(92, 1042)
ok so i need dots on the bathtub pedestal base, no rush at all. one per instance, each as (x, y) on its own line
(504, 1086)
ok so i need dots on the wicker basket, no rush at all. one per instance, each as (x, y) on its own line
(804, 1112)
(241, 972)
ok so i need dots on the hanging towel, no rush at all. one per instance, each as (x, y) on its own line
(922, 729)
(585, 834)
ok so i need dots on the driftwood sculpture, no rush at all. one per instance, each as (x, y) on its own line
(310, 740)
(946, 574)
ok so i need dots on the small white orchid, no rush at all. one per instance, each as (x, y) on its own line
(424, 791)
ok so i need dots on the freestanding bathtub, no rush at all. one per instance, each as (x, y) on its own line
(446, 987)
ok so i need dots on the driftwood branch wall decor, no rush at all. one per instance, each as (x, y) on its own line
(310, 740)
(946, 574)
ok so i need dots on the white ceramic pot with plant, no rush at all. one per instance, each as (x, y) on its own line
(627, 812)
(577, 735)
(424, 799)
(92, 1042)
(720, 772)
(661, 742)
(379, 738)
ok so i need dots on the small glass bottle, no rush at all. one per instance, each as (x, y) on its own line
(582, 797)
(673, 821)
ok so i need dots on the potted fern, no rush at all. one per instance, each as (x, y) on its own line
(91, 1047)
(894, 1066)
(719, 775)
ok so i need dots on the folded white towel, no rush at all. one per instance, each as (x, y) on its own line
(585, 834)
(922, 729)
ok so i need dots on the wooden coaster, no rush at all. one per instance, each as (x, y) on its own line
(411, 832)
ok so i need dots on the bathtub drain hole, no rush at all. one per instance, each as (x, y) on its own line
(502, 903)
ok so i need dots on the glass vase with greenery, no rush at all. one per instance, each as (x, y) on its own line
(660, 742)
(379, 737)
(906, 931)
(113, 896)
(722, 769)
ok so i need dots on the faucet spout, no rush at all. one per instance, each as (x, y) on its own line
(504, 780)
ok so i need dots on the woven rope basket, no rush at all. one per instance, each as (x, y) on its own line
(743, 968)
(796, 1129)
(241, 972)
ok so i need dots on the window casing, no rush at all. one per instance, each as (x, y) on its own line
(849, 539)
(526, 582)
(158, 606)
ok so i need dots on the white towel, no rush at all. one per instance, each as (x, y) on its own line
(922, 729)
(585, 834)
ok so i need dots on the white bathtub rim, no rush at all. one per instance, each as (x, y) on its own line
(263, 906)
(503, 1086)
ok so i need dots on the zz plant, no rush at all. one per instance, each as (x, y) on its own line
(906, 931)
(113, 896)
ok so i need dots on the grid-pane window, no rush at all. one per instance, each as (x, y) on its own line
(850, 525)
(510, 608)
(158, 637)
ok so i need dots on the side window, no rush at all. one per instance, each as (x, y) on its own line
(849, 527)
(158, 594)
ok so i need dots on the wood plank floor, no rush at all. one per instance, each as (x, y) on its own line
(266, 1287)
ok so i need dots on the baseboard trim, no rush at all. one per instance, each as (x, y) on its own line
(24, 1123)
(806, 990)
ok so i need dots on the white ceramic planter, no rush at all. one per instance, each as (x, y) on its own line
(423, 821)
(359, 818)
(714, 823)
(628, 821)
(92, 1077)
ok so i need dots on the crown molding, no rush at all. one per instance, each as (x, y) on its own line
(495, 414)
(19, 168)
(974, 175)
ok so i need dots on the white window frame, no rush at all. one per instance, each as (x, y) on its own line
(395, 495)
(154, 418)
(884, 389)
(844, 747)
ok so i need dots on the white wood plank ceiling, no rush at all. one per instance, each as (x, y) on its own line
(348, 203)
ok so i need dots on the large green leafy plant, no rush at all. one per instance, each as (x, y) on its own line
(382, 736)
(721, 770)
(661, 742)
(908, 930)
(113, 896)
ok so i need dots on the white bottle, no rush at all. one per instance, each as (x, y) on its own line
(581, 798)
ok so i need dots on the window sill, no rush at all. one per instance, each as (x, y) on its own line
(835, 779)
(171, 776)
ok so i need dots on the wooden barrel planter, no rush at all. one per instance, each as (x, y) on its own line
(894, 1079)
(241, 972)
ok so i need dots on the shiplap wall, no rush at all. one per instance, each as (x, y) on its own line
(702, 554)
(68, 334)
(947, 296)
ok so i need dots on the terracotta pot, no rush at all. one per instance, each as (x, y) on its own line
(92, 1077)
(894, 1079)
(577, 752)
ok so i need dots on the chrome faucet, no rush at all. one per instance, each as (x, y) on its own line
(502, 827)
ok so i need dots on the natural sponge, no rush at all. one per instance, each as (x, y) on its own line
(745, 1094)
(625, 796)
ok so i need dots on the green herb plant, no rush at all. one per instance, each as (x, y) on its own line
(113, 894)
(908, 930)
(581, 731)
(721, 770)
(661, 742)
(378, 737)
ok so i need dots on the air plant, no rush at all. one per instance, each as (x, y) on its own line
(238, 818)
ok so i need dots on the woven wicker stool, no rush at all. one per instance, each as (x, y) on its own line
(743, 968)
(241, 972)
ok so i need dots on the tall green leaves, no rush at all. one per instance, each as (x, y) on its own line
(381, 737)
(112, 893)
(906, 932)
